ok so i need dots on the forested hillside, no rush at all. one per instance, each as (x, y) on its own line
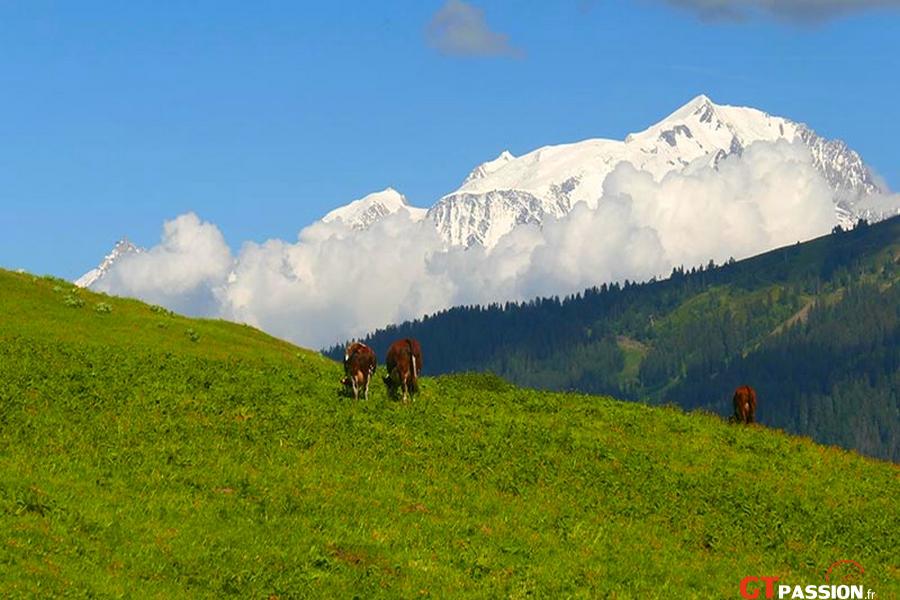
(814, 327)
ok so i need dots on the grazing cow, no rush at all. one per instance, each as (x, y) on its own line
(404, 363)
(744, 404)
(359, 366)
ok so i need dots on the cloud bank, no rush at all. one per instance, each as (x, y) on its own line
(333, 283)
(460, 29)
(791, 10)
(181, 272)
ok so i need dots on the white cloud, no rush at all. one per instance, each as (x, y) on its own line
(793, 10)
(879, 206)
(460, 29)
(768, 197)
(333, 283)
(191, 260)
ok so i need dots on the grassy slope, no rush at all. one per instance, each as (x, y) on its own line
(735, 288)
(135, 461)
(674, 340)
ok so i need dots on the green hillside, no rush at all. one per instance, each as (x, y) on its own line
(143, 454)
(814, 327)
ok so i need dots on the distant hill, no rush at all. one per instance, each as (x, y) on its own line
(143, 454)
(814, 327)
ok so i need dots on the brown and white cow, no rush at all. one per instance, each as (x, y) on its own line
(404, 363)
(744, 404)
(359, 366)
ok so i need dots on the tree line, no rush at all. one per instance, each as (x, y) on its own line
(813, 326)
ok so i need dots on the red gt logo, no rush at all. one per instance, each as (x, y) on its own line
(753, 582)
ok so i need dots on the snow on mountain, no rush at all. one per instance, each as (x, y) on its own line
(486, 168)
(361, 214)
(122, 248)
(508, 191)
(358, 215)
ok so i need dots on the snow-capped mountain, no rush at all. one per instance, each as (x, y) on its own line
(505, 192)
(122, 248)
(360, 214)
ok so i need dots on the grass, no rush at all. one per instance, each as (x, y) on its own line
(633, 352)
(139, 460)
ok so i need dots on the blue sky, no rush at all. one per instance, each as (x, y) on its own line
(262, 116)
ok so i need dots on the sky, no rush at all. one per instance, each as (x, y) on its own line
(261, 117)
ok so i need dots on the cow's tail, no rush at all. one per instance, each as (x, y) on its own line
(414, 384)
(412, 356)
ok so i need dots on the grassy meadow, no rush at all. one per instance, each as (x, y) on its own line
(143, 454)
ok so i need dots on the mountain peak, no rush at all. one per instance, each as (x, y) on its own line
(390, 191)
(124, 245)
(700, 105)
(388, 197)
(486, 168)
(362, 213)
(700, 100)
(121, 248)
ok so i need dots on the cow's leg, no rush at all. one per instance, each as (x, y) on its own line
(391, 385)
(355, 387)
(368, 378)
(405, 390)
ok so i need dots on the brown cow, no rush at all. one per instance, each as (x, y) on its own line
(744, 404)
(359, 366)
(404, 363)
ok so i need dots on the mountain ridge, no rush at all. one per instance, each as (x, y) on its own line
(550, 180)
(546, 183)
